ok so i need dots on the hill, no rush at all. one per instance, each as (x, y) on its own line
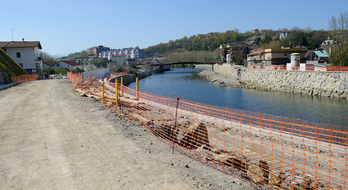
(8, 68)
(263, 38)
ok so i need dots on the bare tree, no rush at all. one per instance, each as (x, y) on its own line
(339, 29)
(45, 56)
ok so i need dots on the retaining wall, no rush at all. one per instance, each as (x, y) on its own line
(316, 83)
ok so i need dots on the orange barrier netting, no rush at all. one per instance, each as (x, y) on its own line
(24, 78)
(264, 150)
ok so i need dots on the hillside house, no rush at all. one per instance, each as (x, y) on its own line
(68, 64)
(282, 56)
(317, 56)
(118, 60)
(284, 34)
(256, 58)
(238, 52)
(94, 51)
(46, 64)
(24, 53)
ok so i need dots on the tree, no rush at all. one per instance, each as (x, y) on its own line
(45, 56)
(101, 63)
(266, 40)
(315, 38)
(272, 45)
(48, 70)
(297, 38)
(195, 44)
(83, 54)
(338, 27)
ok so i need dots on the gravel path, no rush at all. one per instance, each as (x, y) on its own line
(51, 138)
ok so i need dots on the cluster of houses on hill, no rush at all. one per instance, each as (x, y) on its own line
(27, 55)
(125, 56)
(251, 55)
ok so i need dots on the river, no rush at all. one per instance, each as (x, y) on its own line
(187, 84)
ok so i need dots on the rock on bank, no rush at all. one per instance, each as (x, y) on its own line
(314, 83)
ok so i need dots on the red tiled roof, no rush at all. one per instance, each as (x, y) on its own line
(72, 63)
(16, 44)
(3, 44)
(50, 63)
(258, 51)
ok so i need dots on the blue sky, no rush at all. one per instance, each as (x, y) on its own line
(71, 26)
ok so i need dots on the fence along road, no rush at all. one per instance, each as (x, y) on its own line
(294, 154)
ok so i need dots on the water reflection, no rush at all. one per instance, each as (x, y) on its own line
(187, 84)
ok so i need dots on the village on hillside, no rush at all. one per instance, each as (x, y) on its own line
(29, 55)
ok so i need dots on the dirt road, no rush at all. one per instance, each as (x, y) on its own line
(51, 138)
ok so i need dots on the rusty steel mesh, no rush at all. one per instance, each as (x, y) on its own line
(262, 149)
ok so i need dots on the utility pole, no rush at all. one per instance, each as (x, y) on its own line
(12, 33)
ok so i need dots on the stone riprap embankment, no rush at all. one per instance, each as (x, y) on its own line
(315, 83)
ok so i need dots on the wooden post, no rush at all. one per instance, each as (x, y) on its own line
(121, 86)
(116, 91)
(103, 90)
(137, 88)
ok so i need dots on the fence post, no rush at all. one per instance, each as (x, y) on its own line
(174, 128)
(121, 86)
(116, 91)
(137, 88)
(102, 90)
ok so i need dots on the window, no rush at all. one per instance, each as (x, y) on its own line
(57, 65)
(285, 54)
(18, 54)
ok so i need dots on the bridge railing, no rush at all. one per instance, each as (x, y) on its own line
(260, 148)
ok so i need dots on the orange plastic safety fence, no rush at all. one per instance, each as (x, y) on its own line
(260, 148)
(24, 78)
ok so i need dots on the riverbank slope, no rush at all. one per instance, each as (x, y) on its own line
(313, 83)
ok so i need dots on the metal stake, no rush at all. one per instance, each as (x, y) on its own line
(174, 129)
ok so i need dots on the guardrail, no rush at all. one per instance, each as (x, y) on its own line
(264, 150)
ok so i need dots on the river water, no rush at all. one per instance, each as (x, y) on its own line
(187, 84)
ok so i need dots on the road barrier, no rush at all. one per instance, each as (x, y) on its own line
(24, 78)
(262, 149)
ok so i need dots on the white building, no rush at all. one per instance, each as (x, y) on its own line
(118, 60)
(284, 34)
(130, 53)
(24, 53)
(67, 64)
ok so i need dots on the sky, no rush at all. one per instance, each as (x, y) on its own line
(68, 26)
